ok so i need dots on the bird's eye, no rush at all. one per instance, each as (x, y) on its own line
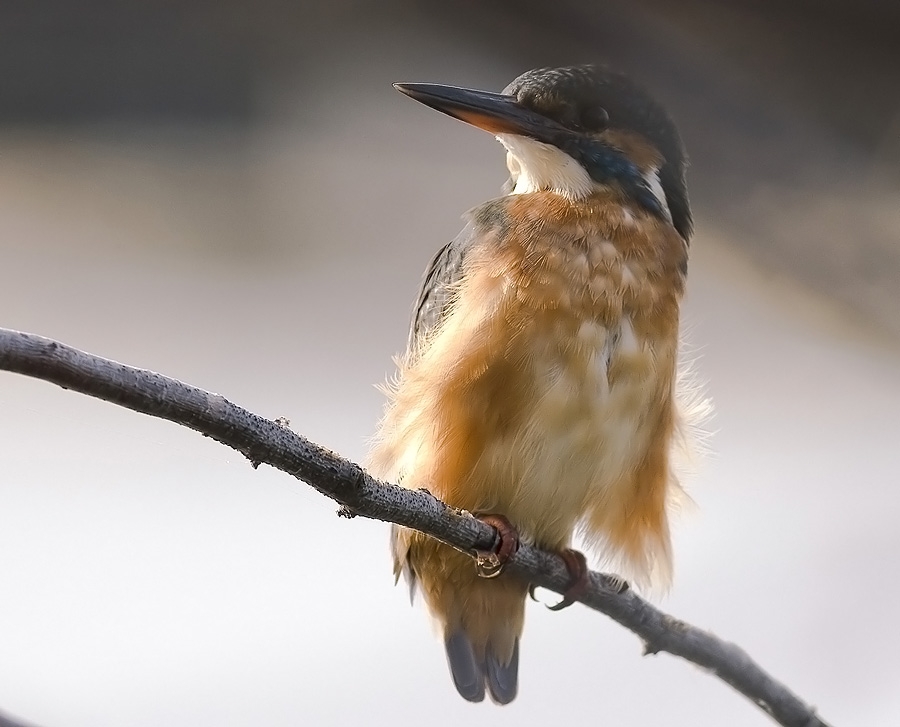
(594, 118)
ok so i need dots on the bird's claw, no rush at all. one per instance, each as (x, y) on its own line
(615, 583)
(491, 563)
(576, 564)
(487, 564)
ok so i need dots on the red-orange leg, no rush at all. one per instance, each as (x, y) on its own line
(490, 563)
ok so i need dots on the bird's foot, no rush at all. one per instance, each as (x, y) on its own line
(490, 563)
(576, 564)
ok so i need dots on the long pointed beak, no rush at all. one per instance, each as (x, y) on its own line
(493, 112)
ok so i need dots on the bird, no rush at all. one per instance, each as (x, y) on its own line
(539, 387)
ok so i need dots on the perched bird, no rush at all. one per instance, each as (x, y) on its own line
(538, 389)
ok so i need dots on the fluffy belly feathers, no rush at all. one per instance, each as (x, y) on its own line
(545, 395)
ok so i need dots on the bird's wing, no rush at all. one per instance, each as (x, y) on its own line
(431, 307)
(438, 284)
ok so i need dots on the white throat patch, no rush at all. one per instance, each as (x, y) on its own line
(652, 179)
(540, 167)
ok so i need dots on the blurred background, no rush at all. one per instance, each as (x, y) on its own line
(233, 194)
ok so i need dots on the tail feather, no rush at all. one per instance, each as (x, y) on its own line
(502, 679)
(468, 673)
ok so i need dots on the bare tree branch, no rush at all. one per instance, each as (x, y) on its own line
(264, 441)
(7, 721)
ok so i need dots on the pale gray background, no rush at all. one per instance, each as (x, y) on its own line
(236, 197)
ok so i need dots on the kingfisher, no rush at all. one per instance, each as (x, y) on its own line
(538, 389)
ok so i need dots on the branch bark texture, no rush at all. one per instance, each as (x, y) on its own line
(267, 442)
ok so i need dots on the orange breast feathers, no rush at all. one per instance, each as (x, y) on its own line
(546, 393)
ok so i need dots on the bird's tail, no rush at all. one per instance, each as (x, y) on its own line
(472, 673)
(481, 618)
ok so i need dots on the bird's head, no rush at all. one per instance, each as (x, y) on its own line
(567, 130)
